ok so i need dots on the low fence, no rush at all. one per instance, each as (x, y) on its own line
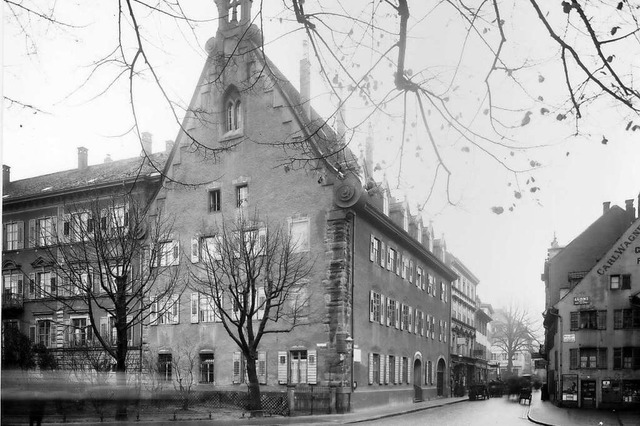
(98, 406)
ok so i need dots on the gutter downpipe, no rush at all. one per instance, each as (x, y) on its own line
(352, 274)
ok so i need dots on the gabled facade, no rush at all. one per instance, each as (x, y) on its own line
(593, 330)
(381, 296)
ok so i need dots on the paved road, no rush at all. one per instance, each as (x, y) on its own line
(494, 411)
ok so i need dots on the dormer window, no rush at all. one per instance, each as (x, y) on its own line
(385, 202)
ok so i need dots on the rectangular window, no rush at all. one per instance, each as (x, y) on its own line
(80, 332)
(298, 367)
(168, 253)
(12, 286)
(299, 231)
(45, 231)
(589, 320)
(14, 235)
(419, 278)
(392, 318)
(164, 367)
(374, 250)
(45, 285)
(206, 368)
(169, 310)
(614, 282)
(214, 200)
(376, 369)
(242, 196)
(207, 309)
(375, 309)
(392, 266)
(392, 369)
(592, 357)
(45, 332)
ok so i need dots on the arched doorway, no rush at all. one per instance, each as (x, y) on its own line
(417, 380)
(440, 377)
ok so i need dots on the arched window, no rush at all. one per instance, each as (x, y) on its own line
(232, 111)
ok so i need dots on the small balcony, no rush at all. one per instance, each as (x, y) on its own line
(12, 302)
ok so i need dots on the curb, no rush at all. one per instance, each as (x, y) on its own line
(532, 420)
(414, 410)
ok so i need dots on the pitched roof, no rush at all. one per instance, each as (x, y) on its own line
(93, 176)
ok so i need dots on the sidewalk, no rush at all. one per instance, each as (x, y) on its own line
(545, 413)
(362, 415)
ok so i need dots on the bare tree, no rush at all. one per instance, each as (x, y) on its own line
(112, 256)
(378, 58)
(255, 277)
(184, 366)
(513, 332)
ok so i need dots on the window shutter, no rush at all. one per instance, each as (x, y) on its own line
(383, 254)
(389, 258)
(195, 250)
(617, 358)
(32, 333)
(575, 320)
(397, 314)
(409, 368)
(381, 376)
(397, 378)
(32, 233)
(104, 328)
(176, 309)
(383, 305)
(402, 308)
(372, 255)
(20, 234)
(410, 319)
(260, 302)
(153, 316)
(67, 331)
(573, 359)
(601, 361)
(4, 236)
(602, 320)
(389, 307)
(32, 285)
(65, 229)
(312, 367)
(237, 370)
(195, 306)
(371, 305)
(176, 252)
(262, 367)
(282, 367)
(370, 368)
(386, 369)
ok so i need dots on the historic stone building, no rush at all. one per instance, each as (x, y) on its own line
(592, 324)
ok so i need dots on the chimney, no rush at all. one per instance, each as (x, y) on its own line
(605, 206)
(305, 80)
(107, 159)
(631, 211)
(6, 175)
(147, 143)
(83, 157)
(168, 145)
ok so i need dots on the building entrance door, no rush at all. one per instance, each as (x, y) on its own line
(417, 380)
(588, 393)
(440, 377)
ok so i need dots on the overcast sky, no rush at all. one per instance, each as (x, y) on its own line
(506, 251)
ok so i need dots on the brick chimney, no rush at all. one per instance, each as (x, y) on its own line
(83, 157)
(6, 175)
(147, 143)
(305, 80)
(605, 206)
(631, 211)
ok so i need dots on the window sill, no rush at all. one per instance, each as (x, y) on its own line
(231, 135)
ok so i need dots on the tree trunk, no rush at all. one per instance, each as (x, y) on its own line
(121, 358)
(255, 402)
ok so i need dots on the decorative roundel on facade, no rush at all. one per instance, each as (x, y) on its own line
(347, 191)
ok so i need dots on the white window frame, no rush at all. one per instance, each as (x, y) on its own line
(11, 229)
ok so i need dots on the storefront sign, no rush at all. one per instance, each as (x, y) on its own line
(569, 338)
(581, 300)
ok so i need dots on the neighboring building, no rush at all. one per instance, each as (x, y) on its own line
(375, 281)
(592, 340)
(36, 218)
(520, 360)
(484, 312)
(468, 365)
